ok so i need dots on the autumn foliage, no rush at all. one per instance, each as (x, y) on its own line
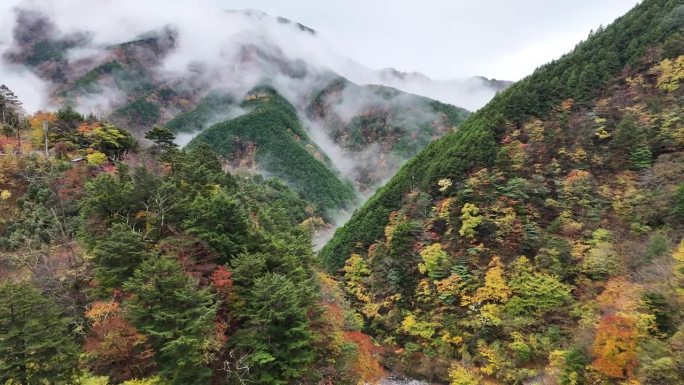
(615, 345)
(114, 346)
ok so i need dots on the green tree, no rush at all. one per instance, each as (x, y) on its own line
(108, 196)
(275, 330)
(111, 140)
(641, 156)
(35, 344)
(678, 209)
(163, 139)
(631, 143)
(535, 293)
(177, 317)
(219, 219)
(10, 108)
(199, 168)
(402, 260)
(116, 255)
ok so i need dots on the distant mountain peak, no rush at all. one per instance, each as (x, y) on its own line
(260, 15)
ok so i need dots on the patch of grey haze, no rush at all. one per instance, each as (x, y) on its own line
(30, 89)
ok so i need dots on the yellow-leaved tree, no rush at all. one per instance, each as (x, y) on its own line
(495, 288)
(470, 219)
(434, 262)
(670, 74)
(462, 376)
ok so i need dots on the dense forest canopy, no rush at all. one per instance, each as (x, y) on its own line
(542, 240)
(155, 266)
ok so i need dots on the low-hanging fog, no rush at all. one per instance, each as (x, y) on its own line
(207, 38)
(207, 49)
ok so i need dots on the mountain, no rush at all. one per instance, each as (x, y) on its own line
(271, 137)
(531, 244)
(537, 240)
(471, 93)
(353, 135)
(377, 127)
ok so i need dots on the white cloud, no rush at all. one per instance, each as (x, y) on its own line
(449, 39)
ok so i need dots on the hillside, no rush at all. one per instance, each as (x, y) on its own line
(347, 133)
(162, 229)
(329, 131)
(122, 265)
(575, 76)
(541, 241)
(378, 128)
(271, 138)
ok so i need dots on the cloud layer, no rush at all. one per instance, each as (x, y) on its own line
(212, 40)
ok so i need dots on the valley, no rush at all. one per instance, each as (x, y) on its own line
(231, 202)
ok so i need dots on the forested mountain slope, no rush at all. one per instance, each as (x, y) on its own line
(361, 133)
(271, 138)
(127, 266)
(541, 242)
(578, 76)
(378, 127)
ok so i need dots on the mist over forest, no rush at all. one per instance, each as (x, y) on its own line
(198, 194)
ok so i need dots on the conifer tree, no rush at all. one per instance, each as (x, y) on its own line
(177, 317)
(219, 220)
(117, 255)
(35, 344)
(10, 107)
(275, 330)
(163, 139)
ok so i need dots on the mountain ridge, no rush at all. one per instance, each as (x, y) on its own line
(529, 243)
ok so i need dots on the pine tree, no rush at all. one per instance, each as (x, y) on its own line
(631, 143)
(162, 138)
(35, 344)
(641, 157)
(177, 317)
(11, 110)
(10, 107)
(678, 209)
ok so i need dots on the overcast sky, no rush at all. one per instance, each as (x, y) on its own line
(445, 39)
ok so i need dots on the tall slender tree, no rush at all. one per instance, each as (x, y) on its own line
(13, 121)
(10, 106)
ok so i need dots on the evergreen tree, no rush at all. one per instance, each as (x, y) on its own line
(35, 344)
(641, 157)
(403, 261)
(678, 209)
(630, 142)
(10, 107)
(68, 120)
(220, 220)
(177, 317)
(162, 138)
(117, 255)
(199, 168)
(275, 330)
